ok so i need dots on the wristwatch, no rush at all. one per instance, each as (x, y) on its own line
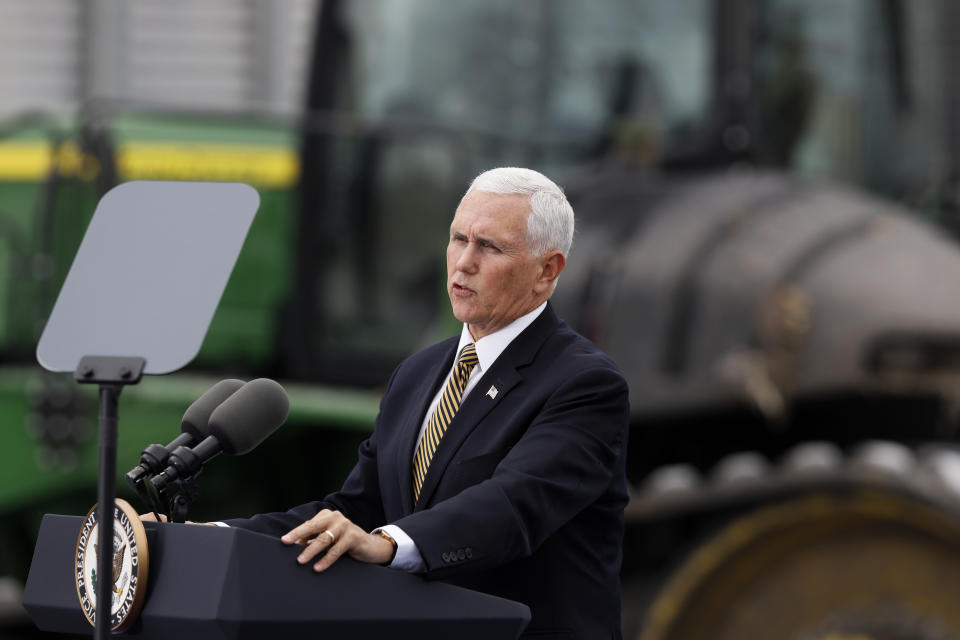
(386, 536)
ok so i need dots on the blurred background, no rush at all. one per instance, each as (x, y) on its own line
(767, 202)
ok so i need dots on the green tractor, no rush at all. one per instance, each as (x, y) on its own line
(788, 332)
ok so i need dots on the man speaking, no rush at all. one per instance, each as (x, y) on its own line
(497, 458)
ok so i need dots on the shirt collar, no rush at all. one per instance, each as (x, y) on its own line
(490, 347)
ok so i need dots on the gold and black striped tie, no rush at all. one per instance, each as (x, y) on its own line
(442, 415)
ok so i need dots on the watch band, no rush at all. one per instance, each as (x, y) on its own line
(386, 536)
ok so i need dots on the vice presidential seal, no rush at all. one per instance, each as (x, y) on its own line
(128, 579)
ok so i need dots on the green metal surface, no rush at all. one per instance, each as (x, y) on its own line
(33, 469)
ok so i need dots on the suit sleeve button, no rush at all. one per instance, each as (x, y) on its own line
(445, 556)
(461, 555)
(469, 552)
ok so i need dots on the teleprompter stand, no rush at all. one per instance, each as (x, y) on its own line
(138, 299)
(111, 373)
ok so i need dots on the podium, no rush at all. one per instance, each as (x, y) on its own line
(218, 582)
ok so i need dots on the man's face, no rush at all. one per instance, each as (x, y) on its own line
(492, 276)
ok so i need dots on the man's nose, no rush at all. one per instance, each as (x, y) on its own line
(467, 260)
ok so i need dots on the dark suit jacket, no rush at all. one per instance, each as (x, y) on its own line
(524, 497)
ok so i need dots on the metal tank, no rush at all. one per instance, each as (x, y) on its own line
(761, 287)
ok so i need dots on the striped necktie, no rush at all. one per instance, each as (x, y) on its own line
(442, 416)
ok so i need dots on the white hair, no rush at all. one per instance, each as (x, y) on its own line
(550, 222)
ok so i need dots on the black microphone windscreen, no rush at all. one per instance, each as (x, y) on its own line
(197, 415)
(247, 417)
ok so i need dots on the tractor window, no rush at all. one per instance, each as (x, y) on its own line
(552, 77)
(858, 91)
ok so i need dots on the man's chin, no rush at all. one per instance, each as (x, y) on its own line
(465, 317)
(462, 310)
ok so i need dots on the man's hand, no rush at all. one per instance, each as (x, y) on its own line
(332, 532)
(149, 517)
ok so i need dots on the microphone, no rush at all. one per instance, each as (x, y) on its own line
(193, 429)
(243, 421)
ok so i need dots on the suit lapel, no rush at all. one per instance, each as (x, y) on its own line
(490, 390)
(410, 429)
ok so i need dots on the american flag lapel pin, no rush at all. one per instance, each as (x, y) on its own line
(492, 392)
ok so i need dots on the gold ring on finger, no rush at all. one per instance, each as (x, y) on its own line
(333, 538)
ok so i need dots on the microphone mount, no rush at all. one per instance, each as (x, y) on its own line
(179, 503)
(184, 465)
(151, 462)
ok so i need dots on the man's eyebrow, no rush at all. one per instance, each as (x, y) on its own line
(480, 239)
(488, 241)
(501, 244)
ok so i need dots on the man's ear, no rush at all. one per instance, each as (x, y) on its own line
(552, 264)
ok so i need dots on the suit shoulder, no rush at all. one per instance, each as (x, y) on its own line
(567, 343)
